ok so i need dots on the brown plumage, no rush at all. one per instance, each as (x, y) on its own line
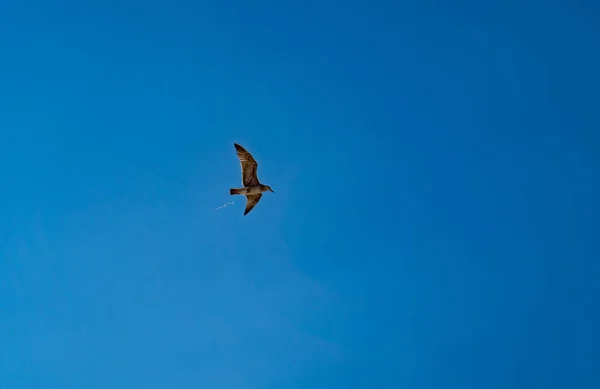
(252, 189)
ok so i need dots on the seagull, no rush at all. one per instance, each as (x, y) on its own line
(252, 189)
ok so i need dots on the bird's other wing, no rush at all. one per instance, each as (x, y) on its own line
(251, 201)
(249, 166)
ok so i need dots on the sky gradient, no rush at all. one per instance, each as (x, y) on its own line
(436, 174)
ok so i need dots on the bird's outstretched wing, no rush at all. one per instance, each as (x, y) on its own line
(249, 166)
(251, 201)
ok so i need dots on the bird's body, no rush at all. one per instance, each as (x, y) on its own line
(252, 189)
(249, 190)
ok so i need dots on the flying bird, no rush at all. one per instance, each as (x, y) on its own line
(252, 189)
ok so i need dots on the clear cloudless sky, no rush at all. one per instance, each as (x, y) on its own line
(435, 221)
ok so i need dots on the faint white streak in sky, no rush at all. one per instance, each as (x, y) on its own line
(223, 206)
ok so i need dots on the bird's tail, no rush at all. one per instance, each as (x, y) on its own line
(234, 191)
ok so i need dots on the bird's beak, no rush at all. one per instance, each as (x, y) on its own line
(272, 190)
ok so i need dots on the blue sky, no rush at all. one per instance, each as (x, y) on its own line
(436, 177)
